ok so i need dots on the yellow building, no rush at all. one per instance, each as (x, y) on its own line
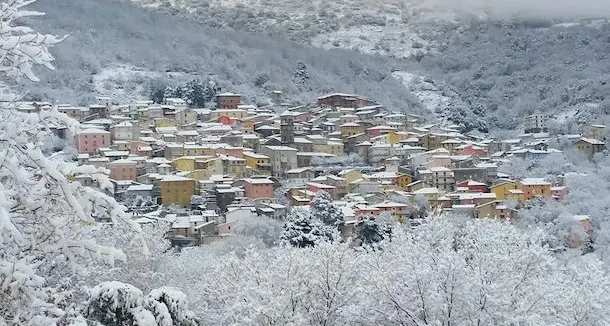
(335, 148)
(205, 169)
(258, 162)
(350, 129)
(176, 190)
(350, 175)
(403, 180)
(201, 150)
(515, 195)
(433, 140)
(164, 122)
(232, 113)
(187, 163)
(247, 125)
(330, 147)
(502, 189)
(393, 138)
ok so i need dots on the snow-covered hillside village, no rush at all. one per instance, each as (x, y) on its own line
(196, 205)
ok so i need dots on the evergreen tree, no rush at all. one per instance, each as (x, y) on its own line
(195, 94)
(301, 230)
(157, 92)
(371, 230)
(323, 209)
(301, 76)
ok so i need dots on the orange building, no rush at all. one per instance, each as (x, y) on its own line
(258, 188)
(123, 170)
(535, 187)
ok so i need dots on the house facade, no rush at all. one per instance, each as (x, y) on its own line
(91, 140)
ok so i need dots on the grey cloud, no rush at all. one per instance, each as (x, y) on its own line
(530, 8)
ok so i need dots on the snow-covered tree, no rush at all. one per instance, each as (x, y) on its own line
(22, 48)
(323, 209)
(45, 220)
(198, 93)
(302, 230)
(121, 304)
(481, 273)
(371, 230)
(448, 271)
(301, 76)
(195, 92)
(261, 228)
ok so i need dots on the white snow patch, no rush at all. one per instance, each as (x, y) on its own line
(428, 94)
(128, 83)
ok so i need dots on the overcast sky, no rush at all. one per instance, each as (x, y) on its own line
(533, 8)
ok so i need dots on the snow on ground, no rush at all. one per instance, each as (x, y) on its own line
(428, 94)
(563, 117)
(398, 42)
(129, 83)
(397, 38)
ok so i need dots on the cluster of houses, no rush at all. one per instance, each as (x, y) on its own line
(203, 169)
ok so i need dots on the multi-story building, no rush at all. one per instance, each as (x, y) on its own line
(125, 131)
(91, 140)
(228, 101)
(344, 100)
(536, 122)
(535, 187)
(259, 163)
(443, 178)
(233, 166)
(598, 132)
(503, 187)
(256, 188)
(177, 190)
(123, 170)
(590, 146)
(282, 158)
(303, 144)
(287, 128)
(350, 129)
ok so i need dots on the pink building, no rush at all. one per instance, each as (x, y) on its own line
(258, 188)
(472, 186)
(362, 209)
(315, 187)
(379, 130)
(471, 150)
(91, 140)
(123, 170)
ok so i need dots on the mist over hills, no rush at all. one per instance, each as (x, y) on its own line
(540, 9)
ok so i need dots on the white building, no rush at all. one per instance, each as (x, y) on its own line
(536, 122)
(125, 131)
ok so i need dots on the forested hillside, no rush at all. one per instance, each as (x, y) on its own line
(506, 70)
(465, 69)
(120, 44)
(476, 65)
